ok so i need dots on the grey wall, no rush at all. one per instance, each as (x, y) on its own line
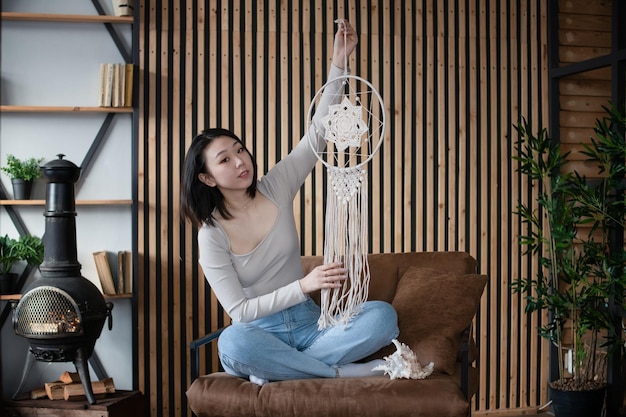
(57, 64)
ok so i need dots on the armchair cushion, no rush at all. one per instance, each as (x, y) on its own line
(227, 396)
(434, 308)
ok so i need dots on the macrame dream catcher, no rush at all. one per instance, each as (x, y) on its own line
(353, 130)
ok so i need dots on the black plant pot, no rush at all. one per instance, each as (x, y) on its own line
(7, 283)
(21, 188)
(577, 403)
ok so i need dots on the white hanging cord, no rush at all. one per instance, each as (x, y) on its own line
(346, 241)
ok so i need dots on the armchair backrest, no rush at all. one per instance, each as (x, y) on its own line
(387, 268)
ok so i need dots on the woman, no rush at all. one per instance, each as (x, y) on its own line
(249, 252)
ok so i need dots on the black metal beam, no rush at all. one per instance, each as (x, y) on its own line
(85, 165)
(117, 39)
(615, 379)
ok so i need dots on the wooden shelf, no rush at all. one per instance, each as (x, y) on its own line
(118, 296)
(120, 404)
(8, 297)
(71, 18)
(78, 202)
(63, 109)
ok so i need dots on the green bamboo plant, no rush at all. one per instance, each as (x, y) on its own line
(569, 228)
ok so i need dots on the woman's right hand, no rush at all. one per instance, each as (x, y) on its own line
(346, 40)
(324, 276)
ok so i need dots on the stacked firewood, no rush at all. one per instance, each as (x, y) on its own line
(70, 388)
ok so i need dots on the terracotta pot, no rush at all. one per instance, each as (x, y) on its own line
(21, 188)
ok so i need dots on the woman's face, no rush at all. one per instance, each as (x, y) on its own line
(228, 165)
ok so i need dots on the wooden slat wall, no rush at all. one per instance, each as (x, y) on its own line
(584, 33)
(455, 76)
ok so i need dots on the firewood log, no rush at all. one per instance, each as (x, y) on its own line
(108, 385)
(54, 390)
(69, 377)
(76, 392)
(38, 393)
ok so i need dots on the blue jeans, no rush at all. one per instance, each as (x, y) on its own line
(288, 344)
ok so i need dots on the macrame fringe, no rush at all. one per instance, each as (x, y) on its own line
(346, 241)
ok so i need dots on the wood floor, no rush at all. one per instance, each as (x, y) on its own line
(512, 413)
(522, 412)
(546, 413)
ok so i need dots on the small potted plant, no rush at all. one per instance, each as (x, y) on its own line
(22, 174)
(27, 248)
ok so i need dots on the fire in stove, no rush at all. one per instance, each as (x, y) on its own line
(62, 313)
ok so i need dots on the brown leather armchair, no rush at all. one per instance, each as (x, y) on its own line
(436, 295)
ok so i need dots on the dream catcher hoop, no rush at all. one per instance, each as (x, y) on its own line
(353, 130)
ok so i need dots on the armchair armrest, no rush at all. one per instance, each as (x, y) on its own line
(195, 354)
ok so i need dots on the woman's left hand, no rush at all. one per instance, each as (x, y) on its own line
(324, 276)
(346, 40)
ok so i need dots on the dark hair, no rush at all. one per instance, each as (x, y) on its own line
(198, 200)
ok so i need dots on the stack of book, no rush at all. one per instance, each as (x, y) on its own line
(124, 282)
(116, 85)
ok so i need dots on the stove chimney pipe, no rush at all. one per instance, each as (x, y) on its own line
(60, 252)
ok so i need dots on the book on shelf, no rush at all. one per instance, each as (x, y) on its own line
(115, 89)
(116, 84)
(123, 272)
(123, 7)
(121, 281)
(128, 272)
(103, 267)
(128, 85)
(106, 85)
(102, 90)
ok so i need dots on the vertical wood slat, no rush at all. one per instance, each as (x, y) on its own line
(375, 77)
(153, 381)
(178, 351)
(185, 233)
(454, 77)
(525, 378)
(161, 221)
(497, 208)
(142, 318)
(408, 147)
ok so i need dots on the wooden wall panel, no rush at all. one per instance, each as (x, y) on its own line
(585, 34)
(454, 75)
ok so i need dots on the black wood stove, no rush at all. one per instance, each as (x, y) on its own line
(62, 313)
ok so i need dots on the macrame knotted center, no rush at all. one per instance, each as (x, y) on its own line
(347, 186)
(344, 124)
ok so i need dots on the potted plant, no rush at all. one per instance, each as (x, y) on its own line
(22, 174)
(27, 248)
(569, 228)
